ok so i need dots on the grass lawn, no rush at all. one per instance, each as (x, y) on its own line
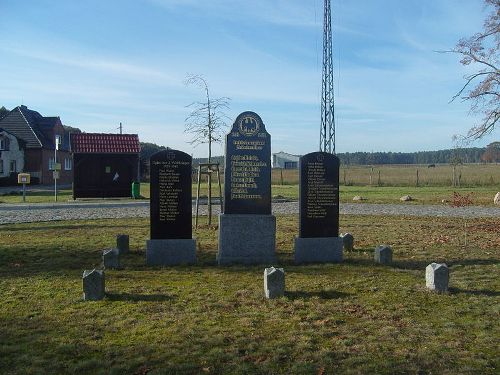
(353, 317)
(63, 196)
(482, 195)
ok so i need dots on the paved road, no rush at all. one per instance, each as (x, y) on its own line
(12, 213)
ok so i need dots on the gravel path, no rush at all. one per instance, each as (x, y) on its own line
(10, 213)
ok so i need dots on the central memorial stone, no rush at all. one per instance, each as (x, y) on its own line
(170, 210)
(247, 230)
(318, 239)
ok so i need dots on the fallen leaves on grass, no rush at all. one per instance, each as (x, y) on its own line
(441, 239)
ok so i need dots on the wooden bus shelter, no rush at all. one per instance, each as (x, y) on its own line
(105, 165)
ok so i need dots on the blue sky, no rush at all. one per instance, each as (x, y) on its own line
(97, 63)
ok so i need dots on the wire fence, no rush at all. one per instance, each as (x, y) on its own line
(406, 175)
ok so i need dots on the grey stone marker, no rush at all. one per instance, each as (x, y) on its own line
(246, 239)
(122, 243)
(383, 254)
(93, 285)
(111, 258)
(274, 282)
(348, 240)
(437, 277)
(171, 252)
(319, 250)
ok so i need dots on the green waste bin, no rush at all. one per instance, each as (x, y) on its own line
(136, 190)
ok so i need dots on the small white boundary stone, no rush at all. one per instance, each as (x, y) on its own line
(122, 243)
(93, 285)
(383, 254)
(274, 282)
(496, 200)
(111, 258)
(437, 277)
(348, 241)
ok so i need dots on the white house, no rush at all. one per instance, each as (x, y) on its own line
(285, 161)
(11, 154)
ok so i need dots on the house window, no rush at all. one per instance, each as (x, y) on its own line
(12, 166)
(67, 164)
(4, 143)
(1, 166)
(51, 164)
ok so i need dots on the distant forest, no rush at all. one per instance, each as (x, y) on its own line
(463, 155)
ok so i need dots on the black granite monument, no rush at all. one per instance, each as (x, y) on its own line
(319, 195)
(170, 195)
(318, 239)
(170, 210)
(248, 171)
(247, 230)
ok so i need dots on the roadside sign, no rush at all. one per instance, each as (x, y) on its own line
(55, 174)
(23, 178)
(58, 141)
(57, 166)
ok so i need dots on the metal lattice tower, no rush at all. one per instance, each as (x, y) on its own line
(327, 132)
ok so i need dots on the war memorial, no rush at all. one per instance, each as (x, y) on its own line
(300, 276)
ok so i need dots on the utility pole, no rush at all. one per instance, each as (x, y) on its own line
(327, 131)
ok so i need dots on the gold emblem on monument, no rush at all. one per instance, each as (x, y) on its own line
(249, 126)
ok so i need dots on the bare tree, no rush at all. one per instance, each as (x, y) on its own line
(207, 120)
(481, 88)
(206, 124)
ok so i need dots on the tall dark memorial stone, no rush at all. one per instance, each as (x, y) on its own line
(318, 239)
(247, 171)
(170, 210)
(247, 230)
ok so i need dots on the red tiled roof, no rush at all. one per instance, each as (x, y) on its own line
(96, 143)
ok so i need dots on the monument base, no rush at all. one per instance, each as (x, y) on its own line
(247, 239)
(318, 250)
(170, 252)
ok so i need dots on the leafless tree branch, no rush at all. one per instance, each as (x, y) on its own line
(481, 89)
(206, 121)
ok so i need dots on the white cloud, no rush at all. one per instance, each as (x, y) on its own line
(80, 59)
